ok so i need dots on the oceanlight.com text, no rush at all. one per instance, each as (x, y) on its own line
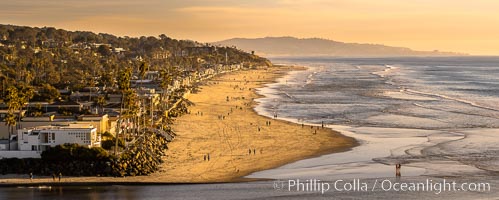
(358, 185)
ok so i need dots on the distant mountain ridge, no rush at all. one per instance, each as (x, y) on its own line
(291, 46)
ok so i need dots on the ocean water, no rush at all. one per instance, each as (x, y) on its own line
(435, 116)
(252, 190)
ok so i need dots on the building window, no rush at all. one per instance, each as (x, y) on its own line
(34, 148)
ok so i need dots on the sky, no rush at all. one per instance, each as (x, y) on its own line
(467, 26)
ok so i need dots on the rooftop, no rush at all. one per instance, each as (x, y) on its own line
(92, 115)
(62, 127)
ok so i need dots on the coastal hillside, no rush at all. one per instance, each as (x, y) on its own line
(59, 68)
(51, 59)
(290, 46)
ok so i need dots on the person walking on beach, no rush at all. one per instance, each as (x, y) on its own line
(53, 176)
(397, 170)
(31, 176)
(208, 156)
(60, 176)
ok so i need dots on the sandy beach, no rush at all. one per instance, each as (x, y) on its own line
(224, 139)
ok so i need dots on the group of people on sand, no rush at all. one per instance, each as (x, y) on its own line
(31, 177)
(254, 151)
(267, 123)
(207, 157)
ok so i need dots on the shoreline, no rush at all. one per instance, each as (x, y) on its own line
(227, 140)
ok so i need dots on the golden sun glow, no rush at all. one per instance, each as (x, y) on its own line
(447, 25)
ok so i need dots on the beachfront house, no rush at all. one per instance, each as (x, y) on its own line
(31, 142)
(101, 122)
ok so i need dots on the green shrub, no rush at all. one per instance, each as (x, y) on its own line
(74, 152)
(108, 144)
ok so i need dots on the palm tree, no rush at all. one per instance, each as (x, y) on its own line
(124, 77)
(130, 102)
(100, 102)
(166, 80)
(13, 104)
(143, 68)
(10, 120)
(25, 93)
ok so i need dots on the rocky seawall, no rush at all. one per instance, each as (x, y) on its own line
(143, 158)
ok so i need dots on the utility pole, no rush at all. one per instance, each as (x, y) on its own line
(152, 115)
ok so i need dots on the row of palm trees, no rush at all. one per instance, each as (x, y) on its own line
(130, 107)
